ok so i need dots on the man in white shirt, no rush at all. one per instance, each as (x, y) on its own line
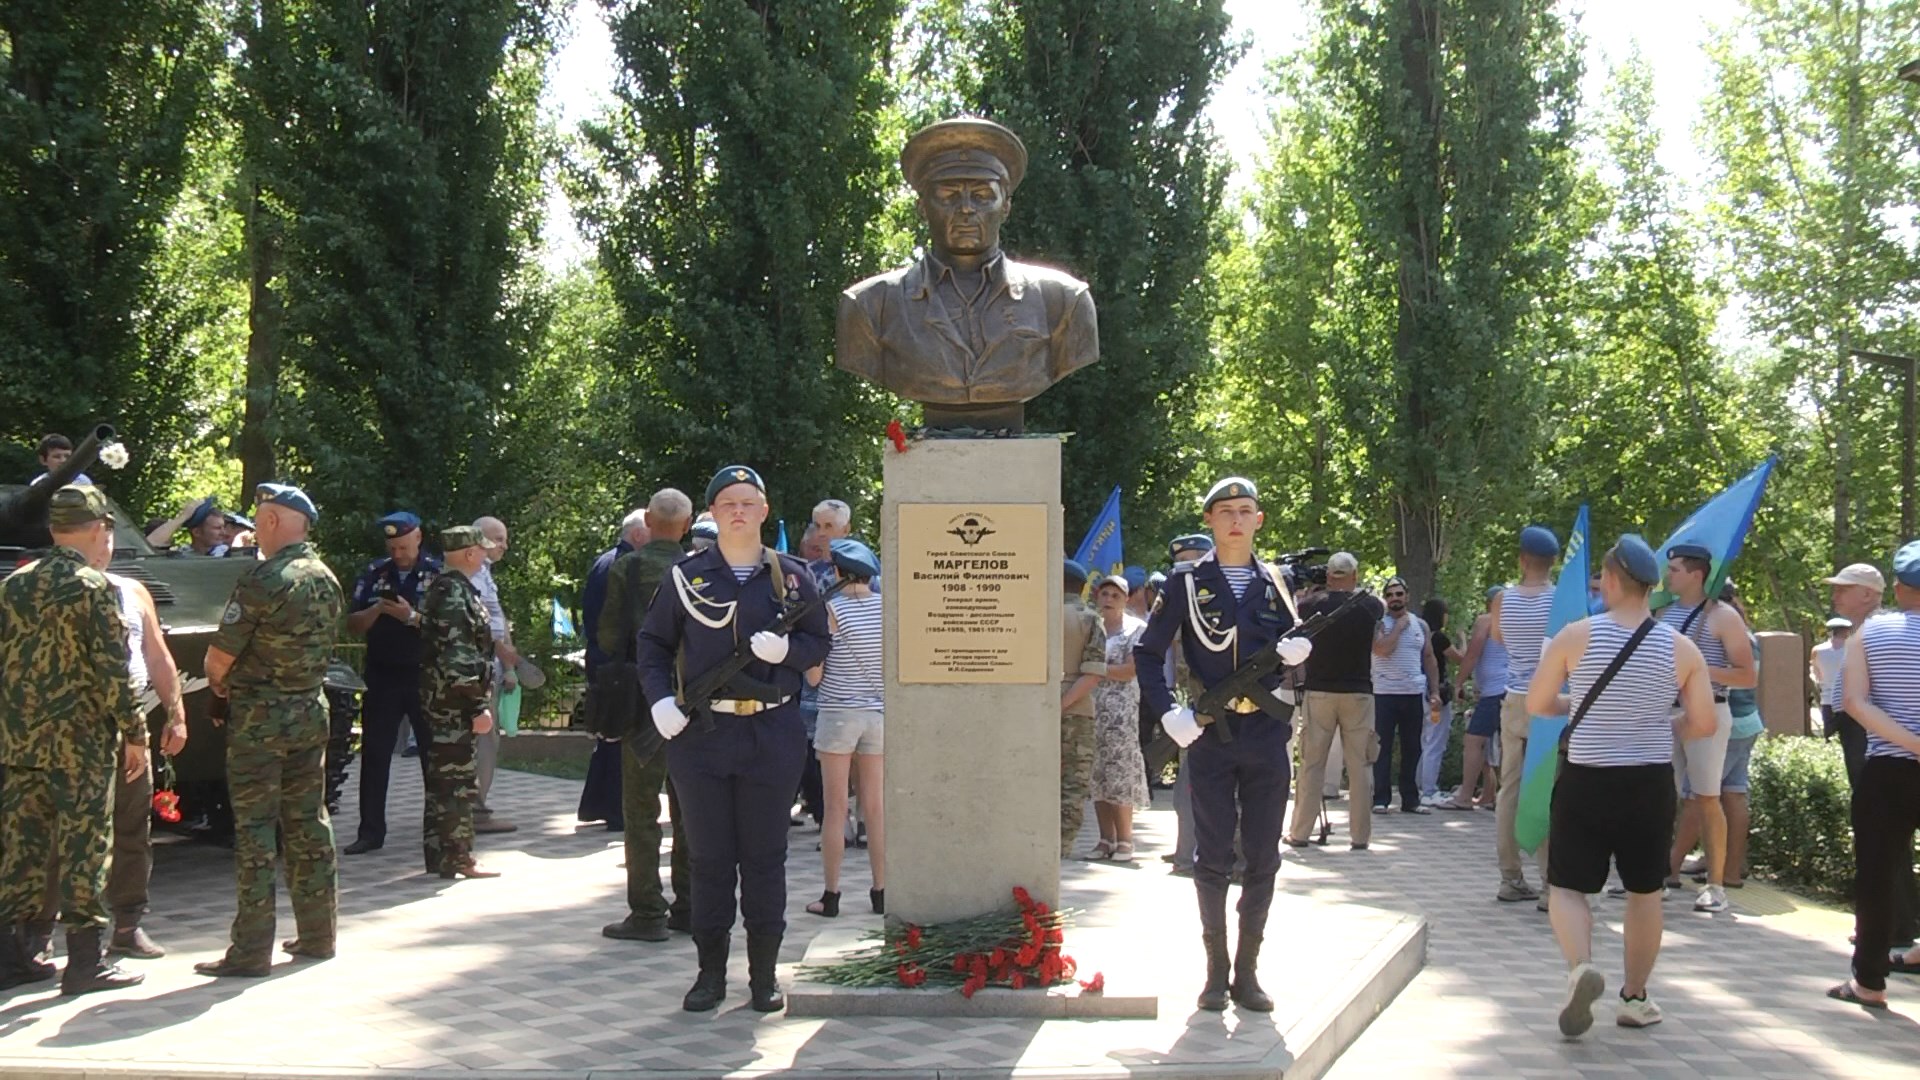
(1824, 668)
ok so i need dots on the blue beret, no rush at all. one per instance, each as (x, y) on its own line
(1136, 578)
(239, 519)
(1906, 564)
(1075, 572)
(285, 495)
(705, 530)
(1539, 541)
(849, 553)
(1233, 487)
(1690, 551)
(1156, 579)
(1495, 590)
(1636, 558)
(1191, 542)
(731, 475)
(200, 514)
(398, 523)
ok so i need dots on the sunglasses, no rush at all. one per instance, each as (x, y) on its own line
(1394, 595)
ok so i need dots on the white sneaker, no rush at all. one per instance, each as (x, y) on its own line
(1693, 864)
(1637, 1012)
(1584, 986)
(1712, 898)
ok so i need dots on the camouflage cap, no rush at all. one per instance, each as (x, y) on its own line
(460, 537)
(76, 505)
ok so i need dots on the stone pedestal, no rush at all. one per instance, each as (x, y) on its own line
(1782, 692)
(972, 767)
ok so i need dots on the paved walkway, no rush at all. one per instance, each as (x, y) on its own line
(511, 975)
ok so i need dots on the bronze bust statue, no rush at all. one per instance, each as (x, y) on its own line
(969, 333)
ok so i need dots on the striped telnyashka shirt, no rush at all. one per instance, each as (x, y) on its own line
(1400, 672)
(1523, 626)
(1490, 671)
(1891, 641)
(851, 677)
(1711, 648)
(1628, 724)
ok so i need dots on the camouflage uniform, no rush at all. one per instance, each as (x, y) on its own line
(1084, 651)
(280, 628)
(456, 684)
(639, 573)
(66, 701)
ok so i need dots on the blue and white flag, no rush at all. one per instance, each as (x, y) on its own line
(1543, 732)
(1720, 526)
(1102, 551)
(562, 622)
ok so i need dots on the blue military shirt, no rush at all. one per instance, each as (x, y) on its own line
(392, 645)
(703, 610)
(593, 597)
(1254, 621)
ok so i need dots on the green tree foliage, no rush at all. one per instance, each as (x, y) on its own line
(737, 186)
(98, 99)
(1818, 171)
(1123, 189)
(404, 169)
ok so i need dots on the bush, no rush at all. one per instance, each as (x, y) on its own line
(1801, 833)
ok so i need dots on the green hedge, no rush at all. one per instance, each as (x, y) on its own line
(1801, 835)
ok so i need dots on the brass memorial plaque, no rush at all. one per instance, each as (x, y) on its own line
(973, 593)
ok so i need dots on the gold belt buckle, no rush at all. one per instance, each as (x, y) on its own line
(747, 707)
(1243, 706)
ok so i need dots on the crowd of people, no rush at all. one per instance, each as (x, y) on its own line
(1661, 706)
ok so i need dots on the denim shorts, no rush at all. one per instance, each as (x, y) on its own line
(849, 731)
(1733, 776)
(1486, 716)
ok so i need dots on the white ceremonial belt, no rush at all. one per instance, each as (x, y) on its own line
(748, 706)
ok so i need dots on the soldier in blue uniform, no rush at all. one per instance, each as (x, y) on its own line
(736, 780)
(1225, 607)
(385, 610)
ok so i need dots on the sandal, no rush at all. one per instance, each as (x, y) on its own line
(1449, 804)
(1898, 962)
(878, 898)
(1845, 992)
(1122, 852)
(828, 906)
(1102, 849)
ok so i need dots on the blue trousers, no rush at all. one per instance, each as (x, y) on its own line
(1397, 715)
(736, 786)
(1252, 769)
(391, 699)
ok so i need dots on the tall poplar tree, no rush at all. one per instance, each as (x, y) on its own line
(736, 187)
(98, 99)
(1123, 189)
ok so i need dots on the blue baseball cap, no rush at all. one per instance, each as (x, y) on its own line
(1636, 558)
(1136, 578)
(1539, 541)
(398, 523)
(285, 495)
(1906, 564)
(1075, 573)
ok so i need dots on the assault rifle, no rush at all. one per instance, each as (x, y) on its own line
(1247, 683)
(727, 680)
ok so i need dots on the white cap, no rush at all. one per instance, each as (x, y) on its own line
(1839, 623)
(1861, 574)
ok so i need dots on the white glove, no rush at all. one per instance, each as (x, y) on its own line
(668, 718)
(769, 646)
(1180, 726)
(1294, 650)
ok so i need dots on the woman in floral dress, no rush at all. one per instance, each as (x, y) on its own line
(1119, 770)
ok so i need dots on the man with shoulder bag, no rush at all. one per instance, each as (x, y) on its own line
(631, 583)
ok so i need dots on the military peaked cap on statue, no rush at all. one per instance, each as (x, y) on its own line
(285, 495)
(969, 148)
(398, 523)
(460, 537)
(1233, 487)
(77, 505)
(731, 475)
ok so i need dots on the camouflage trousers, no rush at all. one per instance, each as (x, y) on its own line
(277, 789)
(1076, 776)
(62, 816)
(452, 785)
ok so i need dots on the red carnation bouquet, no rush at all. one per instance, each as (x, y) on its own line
(1018, 949)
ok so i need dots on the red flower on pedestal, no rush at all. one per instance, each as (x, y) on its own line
(913, 937)
(1023, 898)
(1019, 981)
(960, 962)
(972, 986)
(1095, 985)
(1028, 956)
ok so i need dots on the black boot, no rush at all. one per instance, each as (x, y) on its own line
(87, 971)
(1214, 997)
(17, 964)
(710, 988)
(39, 939)
(763, 958)
(1246, 981)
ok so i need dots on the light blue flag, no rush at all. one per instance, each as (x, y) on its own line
(1102, 551)
(562, 622)
(1543, 732)
(780, 545)
(1720, 525)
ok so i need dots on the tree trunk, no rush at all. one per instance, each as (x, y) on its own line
(264, 315)
(1852, 209)
(1423, 198)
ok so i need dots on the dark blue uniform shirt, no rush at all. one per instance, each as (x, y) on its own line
(1261, 617)
(593, 597)
(392, 645)
(669, 627)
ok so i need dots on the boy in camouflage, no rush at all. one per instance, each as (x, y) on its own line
(66, 701)
(456, 688)
(268, 660)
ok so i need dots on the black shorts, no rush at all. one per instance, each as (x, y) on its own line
(1621, 813)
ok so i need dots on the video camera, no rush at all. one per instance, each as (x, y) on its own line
(1300, 572)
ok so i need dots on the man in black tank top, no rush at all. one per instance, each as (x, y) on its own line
(1619, 814)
